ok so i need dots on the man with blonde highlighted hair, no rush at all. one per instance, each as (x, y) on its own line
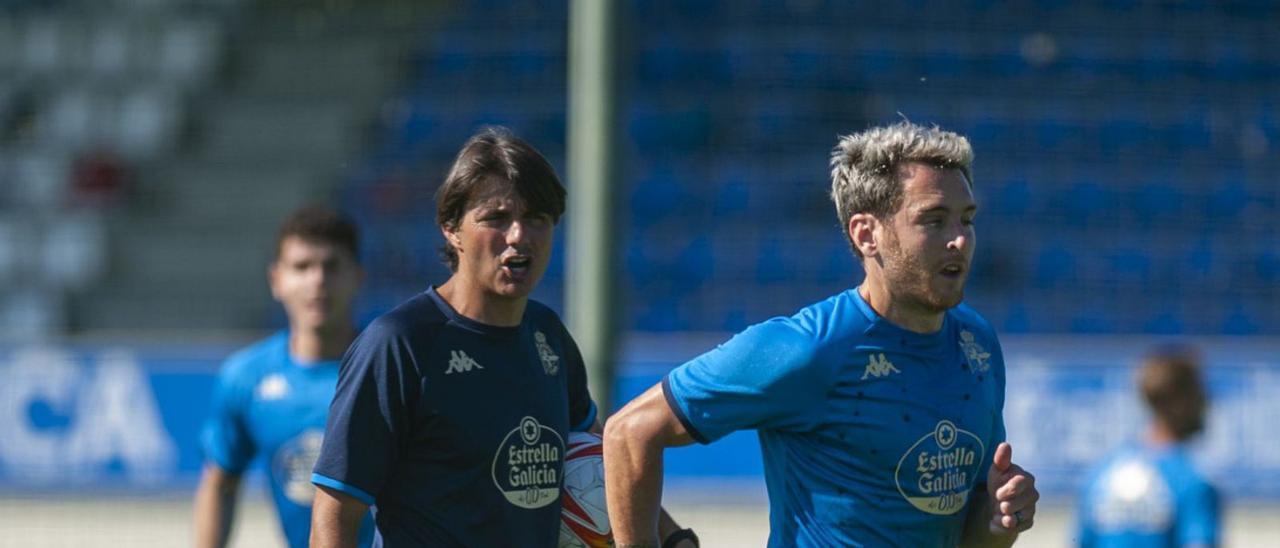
(879, 410)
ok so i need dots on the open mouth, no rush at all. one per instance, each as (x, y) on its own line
(517, 265)
(953, 270)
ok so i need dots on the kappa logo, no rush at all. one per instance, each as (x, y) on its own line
(880, 368)
(273, 387)
(460, 362)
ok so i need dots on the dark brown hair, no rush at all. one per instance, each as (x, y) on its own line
(495, 158)
(323, 225)
(1171, 385)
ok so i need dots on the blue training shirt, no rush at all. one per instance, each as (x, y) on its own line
(1147, 497)
(871, 435)
(454, 431)
(266, 404)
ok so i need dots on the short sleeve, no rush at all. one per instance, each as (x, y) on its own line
(377, 388)
(582, 411)
(1198, 516)
(225, 435)
(766, 377)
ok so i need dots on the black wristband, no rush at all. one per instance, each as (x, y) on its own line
(683, 534)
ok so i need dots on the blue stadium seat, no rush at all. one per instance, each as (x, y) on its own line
(1112, 180)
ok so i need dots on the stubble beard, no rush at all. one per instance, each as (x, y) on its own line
(910, 280)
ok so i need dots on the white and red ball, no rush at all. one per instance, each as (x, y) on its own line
(584, 519)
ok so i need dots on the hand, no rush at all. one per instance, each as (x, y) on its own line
(1012, 492)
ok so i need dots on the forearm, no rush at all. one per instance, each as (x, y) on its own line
(215, 507)
(633, 485)
(977, 526)
(335, 519)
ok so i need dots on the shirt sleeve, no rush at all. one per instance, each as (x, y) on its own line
(582, 411)
(1198, 516)
(225, 437)
(764, 378)
(377, 389)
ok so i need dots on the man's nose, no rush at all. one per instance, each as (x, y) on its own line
(515, 232)
(959, 241)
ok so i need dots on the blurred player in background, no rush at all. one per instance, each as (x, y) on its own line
(452, 410)
(879, 410)
(1148, 493)
(271, 399)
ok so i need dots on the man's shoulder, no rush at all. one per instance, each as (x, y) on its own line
(831, 320)
(971, 320)
(257, 358)
(542, 315)
(966, 313)
(1183, 470)
(413, 316)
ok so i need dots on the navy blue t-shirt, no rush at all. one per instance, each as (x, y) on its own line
(454, 430)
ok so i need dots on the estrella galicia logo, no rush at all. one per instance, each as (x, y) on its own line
(528, 465)
(936, 474)
(292, 465)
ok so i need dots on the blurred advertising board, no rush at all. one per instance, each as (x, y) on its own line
(81, 416)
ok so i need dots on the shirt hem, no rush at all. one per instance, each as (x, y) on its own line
(358, 493)
(675, 408)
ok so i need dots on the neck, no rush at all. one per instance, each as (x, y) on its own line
(1159, 435)
(896, 310)
(473, 303)
(320, 343)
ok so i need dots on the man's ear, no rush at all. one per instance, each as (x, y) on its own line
(451, 236)
(862, 233)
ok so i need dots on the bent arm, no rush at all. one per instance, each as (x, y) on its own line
(335, 519)
(666, 524)
(215, 506)
(634, 440)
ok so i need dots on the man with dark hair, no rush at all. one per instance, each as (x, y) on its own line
(452, 410)
(1149, 493)
(880, 409)
(272, 398)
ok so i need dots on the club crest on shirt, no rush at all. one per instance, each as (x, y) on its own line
(936, 474)
(550, 361)
(273, 387)
(292, 465)
(977, 356)
(527, 466)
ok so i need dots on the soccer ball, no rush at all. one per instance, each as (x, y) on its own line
(584, 520)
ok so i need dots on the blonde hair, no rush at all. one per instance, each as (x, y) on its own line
(864, 166)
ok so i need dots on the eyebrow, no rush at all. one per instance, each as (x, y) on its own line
(945, 209)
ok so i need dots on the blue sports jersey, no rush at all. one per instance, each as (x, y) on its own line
(454, 431)
(1147, 497)
(266, 404)
(872, 435)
